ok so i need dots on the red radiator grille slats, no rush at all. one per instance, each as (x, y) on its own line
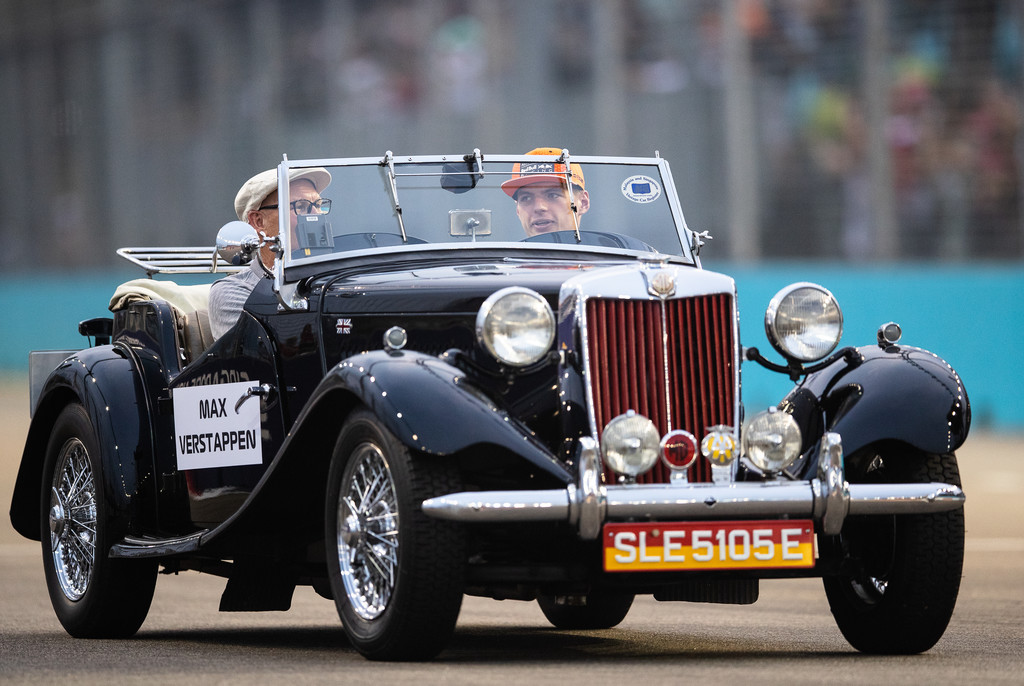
(672, 362)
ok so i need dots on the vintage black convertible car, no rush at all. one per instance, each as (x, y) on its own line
(433, 395)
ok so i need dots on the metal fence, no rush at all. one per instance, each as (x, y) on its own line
(838, 129)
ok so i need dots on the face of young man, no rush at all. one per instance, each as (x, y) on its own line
(543, 209)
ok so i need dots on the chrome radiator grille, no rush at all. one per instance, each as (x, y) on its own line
(671, 361)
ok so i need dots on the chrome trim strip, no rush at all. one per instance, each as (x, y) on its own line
(666, 380)
(286, 291)
(682, 229)
(570, 288)
(492, 158)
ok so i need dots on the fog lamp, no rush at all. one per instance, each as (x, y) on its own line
(772, 440)
(630, 444)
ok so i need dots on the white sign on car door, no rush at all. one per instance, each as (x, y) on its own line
(212, 430)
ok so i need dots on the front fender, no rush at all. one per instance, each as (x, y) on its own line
(433, 408)
(104, 380)
(899, 393)
(425, 402)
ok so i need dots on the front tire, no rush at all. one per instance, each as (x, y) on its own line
(395, 573)
(93, 595)
(897, 594)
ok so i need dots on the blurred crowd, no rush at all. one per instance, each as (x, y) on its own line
(953, 100)
(117, 105)
(952, 95)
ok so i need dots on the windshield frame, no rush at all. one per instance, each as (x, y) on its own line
(288, 270)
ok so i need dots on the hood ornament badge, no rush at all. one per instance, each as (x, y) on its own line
(663, 284)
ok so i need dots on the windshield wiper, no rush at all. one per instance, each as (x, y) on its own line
(389, 161)
(564, 159)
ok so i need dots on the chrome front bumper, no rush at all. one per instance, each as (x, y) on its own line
(828, 498)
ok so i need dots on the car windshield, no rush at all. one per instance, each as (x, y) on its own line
(408, 203)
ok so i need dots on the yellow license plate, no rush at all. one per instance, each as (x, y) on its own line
(670, 546)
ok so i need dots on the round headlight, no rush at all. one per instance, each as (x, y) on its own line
(630, 444)
(772, 440)
(804, 322)
(516, 325)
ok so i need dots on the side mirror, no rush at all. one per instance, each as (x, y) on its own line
(237, 242)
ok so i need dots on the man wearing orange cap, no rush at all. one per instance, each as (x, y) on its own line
(543, 201)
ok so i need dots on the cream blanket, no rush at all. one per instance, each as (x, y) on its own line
(182, 298)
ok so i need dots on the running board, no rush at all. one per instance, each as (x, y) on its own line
(157, 547)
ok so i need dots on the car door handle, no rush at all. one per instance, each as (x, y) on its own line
(264, 391)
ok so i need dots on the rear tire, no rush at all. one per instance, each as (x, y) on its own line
(904, 571)
(395, 573)
(596, 610)
(93, 595)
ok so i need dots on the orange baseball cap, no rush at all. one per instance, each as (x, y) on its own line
(547, 173)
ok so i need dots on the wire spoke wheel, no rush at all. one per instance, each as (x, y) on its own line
(396, 574)
(368, 532)
(73, 519)
(93, 595)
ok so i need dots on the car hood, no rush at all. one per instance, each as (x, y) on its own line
(449, 288)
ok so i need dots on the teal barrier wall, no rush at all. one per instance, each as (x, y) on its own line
(971, 316)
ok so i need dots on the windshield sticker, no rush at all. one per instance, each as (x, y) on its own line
(212, 429)
(641, 189)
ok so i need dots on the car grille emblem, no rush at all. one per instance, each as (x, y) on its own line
(663, 284)
(344, 326)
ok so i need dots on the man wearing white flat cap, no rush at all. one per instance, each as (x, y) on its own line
(256, 204)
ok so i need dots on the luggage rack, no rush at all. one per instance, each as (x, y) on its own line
(180, 260)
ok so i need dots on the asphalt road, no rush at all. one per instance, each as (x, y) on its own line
(788, 636)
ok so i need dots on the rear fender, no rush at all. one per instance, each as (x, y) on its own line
(899, 393)
(104, 380)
